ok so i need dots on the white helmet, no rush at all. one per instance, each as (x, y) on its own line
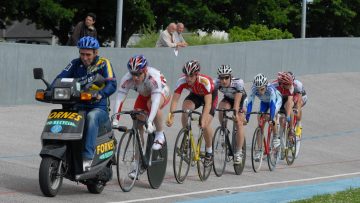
(224, 70)
(260, 80)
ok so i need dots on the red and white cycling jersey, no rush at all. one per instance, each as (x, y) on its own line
(284, 92)
(204, 85)
(297, 90)
(154, 86)
(154, 82)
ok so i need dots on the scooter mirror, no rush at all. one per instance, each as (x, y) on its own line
(38, 73)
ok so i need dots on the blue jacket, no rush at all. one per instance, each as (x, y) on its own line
(76, 69)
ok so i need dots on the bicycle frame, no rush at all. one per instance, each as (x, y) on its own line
(284, 124)
(146, 161)
(262, 121)
(224, 127)
(267, 140)
(195, 147)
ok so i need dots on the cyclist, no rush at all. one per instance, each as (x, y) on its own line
(300, 99)
(285, 85)
(269, 98)
(234, 98)
(86, 67)
(153, 96)
(202, 92)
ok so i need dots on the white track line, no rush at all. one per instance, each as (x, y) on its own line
(239, 187)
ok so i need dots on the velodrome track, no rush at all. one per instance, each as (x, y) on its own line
(330, 151)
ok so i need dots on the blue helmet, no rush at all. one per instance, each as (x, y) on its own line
(137, 63)
(88, 42)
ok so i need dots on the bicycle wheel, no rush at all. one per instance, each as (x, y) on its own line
(156, 172)
(257, 150)
(203, 172)
(182, 155)
(290, 150)
(239, 168)
(274, 153)
(126, 160)
(219, 150)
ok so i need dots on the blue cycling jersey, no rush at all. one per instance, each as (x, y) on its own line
(271, 97)
(76, 69)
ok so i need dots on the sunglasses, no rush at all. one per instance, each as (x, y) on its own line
(136, 74)
(224, 78)
(85, 54)
(261, 89)
(190, 76)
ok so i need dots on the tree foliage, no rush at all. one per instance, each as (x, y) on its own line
(325, 18)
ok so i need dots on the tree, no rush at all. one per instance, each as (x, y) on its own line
(59, 15)
(333, 18)
(195, 14)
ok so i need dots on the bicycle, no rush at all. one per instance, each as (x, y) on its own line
(224, 150)
(262, 145)
(131, 153)
(288, 143)
(186, 153)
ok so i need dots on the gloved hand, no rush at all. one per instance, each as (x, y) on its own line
(272, 122)
(150, 127)
(170, 120)
(288, 118)
(115, 122)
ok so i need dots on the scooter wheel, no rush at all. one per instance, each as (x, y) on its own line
(50, 182)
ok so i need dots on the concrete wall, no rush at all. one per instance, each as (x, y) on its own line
(302, 56)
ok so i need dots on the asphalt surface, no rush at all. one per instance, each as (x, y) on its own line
(331, 135)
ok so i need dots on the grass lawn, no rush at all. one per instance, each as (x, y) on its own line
(350, 195)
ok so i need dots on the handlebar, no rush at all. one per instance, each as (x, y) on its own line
(133, 114)
(225, 110)
(260, 113)
(188, 111)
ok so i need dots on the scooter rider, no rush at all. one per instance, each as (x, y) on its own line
(85, 68)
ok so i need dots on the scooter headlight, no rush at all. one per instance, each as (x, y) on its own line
(62, 93)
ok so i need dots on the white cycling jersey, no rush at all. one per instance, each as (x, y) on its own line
(299, 88)
(154, 85)
(236, 86)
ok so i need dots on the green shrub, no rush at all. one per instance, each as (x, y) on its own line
(147, 40)
(194, 40)
(257, 32)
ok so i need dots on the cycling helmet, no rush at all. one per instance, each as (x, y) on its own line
(224, 70)
(285, 78)
(260, 80)
(292, 74)
(191, 67)
(137, 63)
(88, 42)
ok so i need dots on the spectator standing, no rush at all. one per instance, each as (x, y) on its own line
(82, 29)
(178, 34)
(167, 38)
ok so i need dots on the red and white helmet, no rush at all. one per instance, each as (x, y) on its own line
(285, 78)
(191, 67)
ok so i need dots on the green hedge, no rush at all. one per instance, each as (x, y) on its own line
(257, 32)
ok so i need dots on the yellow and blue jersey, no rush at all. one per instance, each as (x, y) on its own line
(102, 66)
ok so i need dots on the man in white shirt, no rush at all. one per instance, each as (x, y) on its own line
(178, 34)
(167, 38)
